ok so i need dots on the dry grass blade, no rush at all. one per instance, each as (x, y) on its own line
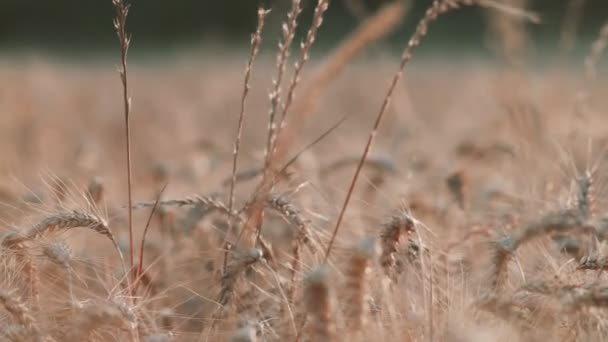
(438, 8)
(120, 23)
(140, 268)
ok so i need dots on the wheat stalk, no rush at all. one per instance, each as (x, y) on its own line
(120, 23)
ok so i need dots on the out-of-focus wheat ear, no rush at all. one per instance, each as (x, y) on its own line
(246, 333)
(501, 252)
(317, 298)
(16, 333)
(165, 319)
(591, 61)
(288, 34)
(159, 337)
(167, 220)
(585, 199)
(356, 285)
(94, 315)
(30, 273)
(570, 24)
(61, 254)
(239, 263)
(511, 34)
(593, 263)
(455, 183)
(554, 222)
(317, 21)
(292, 215)
(267, 251)
(597, 49)
(503, 308)
(576, 298)
(21, 314)
(397, 227)
(96, 190)
(295, 269)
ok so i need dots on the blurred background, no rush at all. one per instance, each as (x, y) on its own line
(81, 28)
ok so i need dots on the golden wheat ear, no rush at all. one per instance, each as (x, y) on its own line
(357, 283)
(397, 227)
(317, 298)
(21, 314)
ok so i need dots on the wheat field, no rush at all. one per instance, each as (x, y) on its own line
(289, 194)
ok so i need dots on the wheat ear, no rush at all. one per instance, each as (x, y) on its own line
(288, 32)
(95, 315)
(397, 227)
(318, 305)
(234, 269)
(256, 41)
(356, 285)
(317, 21)
(21, 314)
